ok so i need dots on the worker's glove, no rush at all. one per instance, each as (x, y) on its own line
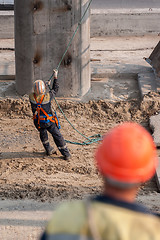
(55, 71)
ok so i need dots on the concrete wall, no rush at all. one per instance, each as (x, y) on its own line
(104, 22)
(130, 4)
(125, 22)
(43, 30)
(7, 24)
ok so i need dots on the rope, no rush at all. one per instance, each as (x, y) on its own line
(91, 139)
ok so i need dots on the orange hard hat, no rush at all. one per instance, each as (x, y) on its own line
(127, 154)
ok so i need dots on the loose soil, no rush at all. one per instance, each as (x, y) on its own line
(27, 173)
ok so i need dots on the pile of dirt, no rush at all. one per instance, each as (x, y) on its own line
(25, 170)
(99, 110)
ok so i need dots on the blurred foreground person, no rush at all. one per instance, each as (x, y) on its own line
(126, 159)
(45, 119)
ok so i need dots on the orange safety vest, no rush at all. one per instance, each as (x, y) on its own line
(45, 117)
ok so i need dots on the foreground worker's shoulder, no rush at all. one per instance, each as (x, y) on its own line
(67, 218)
(137, 225)
(145, 227)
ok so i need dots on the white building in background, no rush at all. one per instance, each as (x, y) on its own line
(6, 1)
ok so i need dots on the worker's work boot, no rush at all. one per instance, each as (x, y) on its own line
(65, 152)
(67, 157)
(50, 151)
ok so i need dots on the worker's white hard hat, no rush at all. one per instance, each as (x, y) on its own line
(39, 87)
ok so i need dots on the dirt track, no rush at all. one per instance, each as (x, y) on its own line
(25, 171)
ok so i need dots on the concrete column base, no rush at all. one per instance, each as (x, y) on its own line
(43, 30)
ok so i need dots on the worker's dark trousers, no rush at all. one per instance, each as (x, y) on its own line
(57, 137)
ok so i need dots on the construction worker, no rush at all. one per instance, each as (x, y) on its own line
(45, 119)
(126, 159)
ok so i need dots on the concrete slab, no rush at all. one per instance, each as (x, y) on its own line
(147, 83)
(113, 90)
(112, 59)
(121, 57)
(155, 126)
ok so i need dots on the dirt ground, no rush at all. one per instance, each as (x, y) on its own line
(27, 173)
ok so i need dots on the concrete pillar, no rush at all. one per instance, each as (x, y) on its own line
(43, 29)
